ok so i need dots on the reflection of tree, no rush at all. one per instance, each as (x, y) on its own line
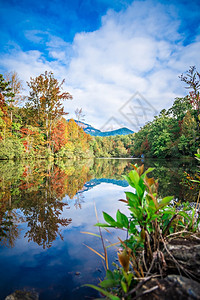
(10, 175)
(9, 231)
(76, 175)
(42, 205)
(39, 195)
(43, 219)
(38, 189)
(110, 168)
(8, 222)
(170, 175)
(79, 200)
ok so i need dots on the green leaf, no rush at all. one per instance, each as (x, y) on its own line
(124, 287)
(135, 212)
(132, 228)
(139, 191)
(165, 201)
(166, 216)
(147, 171)
(115, 224)
(107, 294)
(186, 216)
(151, 205)
(197, 181)
(122, 219)
(128, 180)
(132, 199)
(197, 156)
(108, 283)
(130, 276)
(108, 218)
(118, 225)
(103, 225)
(134, 177)
(109, 274)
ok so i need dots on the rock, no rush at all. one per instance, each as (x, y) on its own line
(173, 287)
(189, 286)
(78, 273)
(187, 253)
(23, 295)
(182, 272)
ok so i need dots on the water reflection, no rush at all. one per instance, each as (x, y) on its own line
(33, 193)
(42, 203)
(172, 177)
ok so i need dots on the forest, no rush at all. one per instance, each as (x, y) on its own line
(34, 126)
(174, 132)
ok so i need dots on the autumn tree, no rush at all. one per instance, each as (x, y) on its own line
(73, 130)
(45, 101)
(59, 134)
(33, 141)
(4, 120)
(5, 93)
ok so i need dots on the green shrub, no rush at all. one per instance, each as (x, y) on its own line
(11, 148)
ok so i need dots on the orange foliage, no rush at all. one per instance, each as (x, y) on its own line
(59, 134)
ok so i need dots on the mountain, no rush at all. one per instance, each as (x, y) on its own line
(96, 132)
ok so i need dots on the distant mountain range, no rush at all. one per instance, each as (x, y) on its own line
(96, 132)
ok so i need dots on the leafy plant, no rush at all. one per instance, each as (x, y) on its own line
(151, 220)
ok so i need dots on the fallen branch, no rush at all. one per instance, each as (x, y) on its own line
(146, 292)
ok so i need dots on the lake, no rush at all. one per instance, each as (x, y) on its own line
(46, 210)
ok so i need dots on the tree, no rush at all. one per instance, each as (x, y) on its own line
(4, 118)
(15, 98)
(120, 150)
(59, 134)
(192, 79)
(79, 115)
(187, 143)
(45, 101)
(5, 97)
(5, 89)
(16, 87)
(180, 108)
(72, 129)
(33, 141)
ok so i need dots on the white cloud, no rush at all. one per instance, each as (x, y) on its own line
(36, 36)
(137, 49)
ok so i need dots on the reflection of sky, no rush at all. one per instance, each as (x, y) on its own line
(52, 271)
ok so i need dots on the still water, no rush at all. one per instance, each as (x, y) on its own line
(45, 210)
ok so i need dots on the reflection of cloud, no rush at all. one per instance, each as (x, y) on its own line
(105, 196)
(140, 49)
(55, 268)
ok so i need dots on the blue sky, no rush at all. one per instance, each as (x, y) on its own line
(120, 59)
